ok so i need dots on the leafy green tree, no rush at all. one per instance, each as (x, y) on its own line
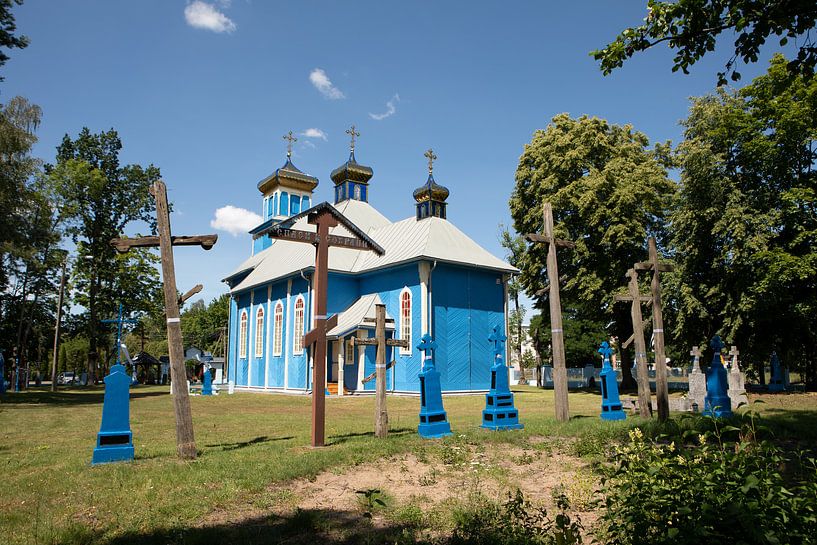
(99, 198)
(744, 231)
(8, 27)
(514, 250)
(203, 325)
(610, 192)
(691, 28)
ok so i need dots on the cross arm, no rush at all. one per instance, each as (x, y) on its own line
(402, 343)
(648, 266)
(363, 342)
(372, 376)
(312, 337)
(560, 243)
(122, 245)
(193, 291)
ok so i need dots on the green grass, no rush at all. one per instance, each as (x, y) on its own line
(247, 443)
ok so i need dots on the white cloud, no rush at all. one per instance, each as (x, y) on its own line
(308, 144)
(200, 14)
(391, 109)
(234, 220)
(314, 133)
(323, 84)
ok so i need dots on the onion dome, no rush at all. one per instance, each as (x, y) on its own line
(431, 196)
(289, 175)
(351, 178)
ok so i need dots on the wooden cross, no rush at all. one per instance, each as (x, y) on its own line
(556, 331)
(431, 158)
(185, 442)
(352, 133)
(290, 139)
(642, 375)
(734, 353)
(381, 415)
(324, 216)
(661, 386)
(696, 359)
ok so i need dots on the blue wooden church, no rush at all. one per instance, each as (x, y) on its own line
(432, 278)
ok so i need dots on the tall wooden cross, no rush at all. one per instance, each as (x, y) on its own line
(381, 415)
(556, 331)
(185, 441)
(431, 158)
(324, 216)
(643, 377)
(353, 133)
(290, 139)
(661, 386)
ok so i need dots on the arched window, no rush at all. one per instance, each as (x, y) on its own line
(357, 192)
(278, 324)
(405, 319)
(298, 329)
(350, 352)
(294, 205)
(242, 335)
(259, 332)
(304, 203)
(284, 204)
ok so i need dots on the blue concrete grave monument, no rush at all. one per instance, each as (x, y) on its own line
(610, 401)
(433, 419)
(499, 413)
(717, 402)
(777, 383)
(114, 442)
(206, 380)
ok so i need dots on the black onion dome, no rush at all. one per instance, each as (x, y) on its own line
(352, 170)
(431, 190)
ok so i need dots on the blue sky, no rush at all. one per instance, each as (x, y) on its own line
(205, 91)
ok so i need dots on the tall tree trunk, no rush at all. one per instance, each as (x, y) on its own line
(93, 328)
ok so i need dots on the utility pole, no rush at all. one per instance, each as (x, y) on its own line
(57, 327)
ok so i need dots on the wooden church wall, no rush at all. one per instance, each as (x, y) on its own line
(468, 303)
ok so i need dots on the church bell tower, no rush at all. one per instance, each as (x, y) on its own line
(288, 190)
(431, 196)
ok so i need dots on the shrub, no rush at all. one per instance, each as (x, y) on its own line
(516, 522)
(712, 491)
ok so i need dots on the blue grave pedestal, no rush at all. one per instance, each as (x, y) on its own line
(499, 413)
(610, 401)
(717, 402)
(433, 418)
(114, 442)
(207, 382)
(776, 382)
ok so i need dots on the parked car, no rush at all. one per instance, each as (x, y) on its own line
(67, 377)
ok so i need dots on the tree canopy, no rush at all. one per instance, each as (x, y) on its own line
(692, 27)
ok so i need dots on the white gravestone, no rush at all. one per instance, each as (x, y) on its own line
(737, 381)
(697, 382)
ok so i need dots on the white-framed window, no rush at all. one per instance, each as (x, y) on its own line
(350, 352)
(278, 329)
(242, 335)
(259, 332)
(298, 328)
(405, 319)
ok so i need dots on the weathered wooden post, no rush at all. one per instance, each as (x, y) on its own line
(643, 377)
(556, 331)
(661, 387)
(185, 441)
(381, 415)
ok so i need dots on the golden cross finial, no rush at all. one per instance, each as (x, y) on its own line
(431, 157)
(352, 133)
(290, 140)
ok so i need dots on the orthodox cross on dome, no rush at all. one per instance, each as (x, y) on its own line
(498, 337)
(431, 158)
(353, 133)
(290, 139)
